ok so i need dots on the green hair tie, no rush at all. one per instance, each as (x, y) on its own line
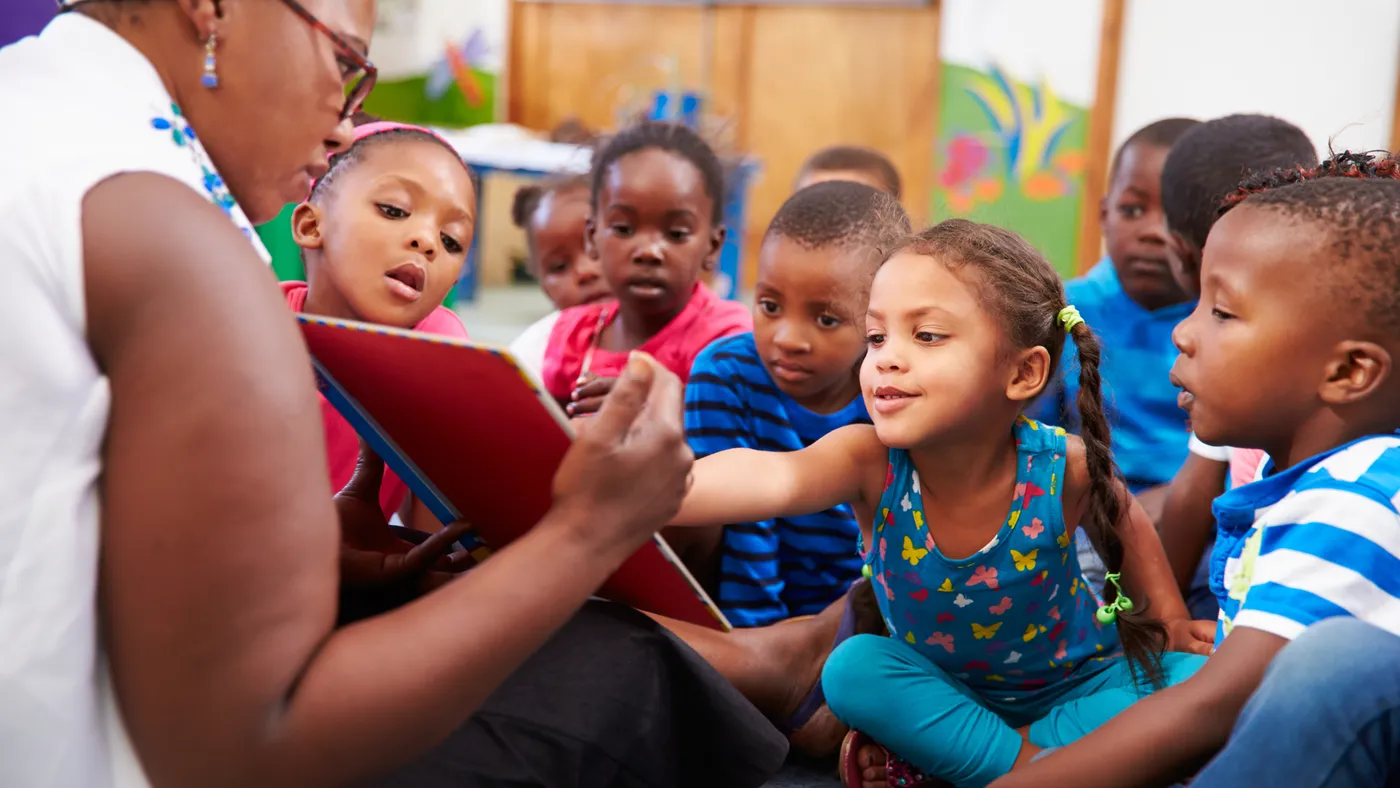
(1107, 614)
(1069, 318)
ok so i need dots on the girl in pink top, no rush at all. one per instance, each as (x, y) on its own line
(657, 194)
(384, 235)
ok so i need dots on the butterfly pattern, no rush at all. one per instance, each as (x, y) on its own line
(1010, 596)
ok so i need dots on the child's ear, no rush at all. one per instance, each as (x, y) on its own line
(1103, 211)
(1355, 371)
(711, 260)
(306, 226)
(590, 244)
(1030, 375)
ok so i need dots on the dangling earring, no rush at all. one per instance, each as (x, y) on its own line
(210, 79)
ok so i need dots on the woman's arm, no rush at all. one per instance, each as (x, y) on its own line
(219, 544)
(746, 485)
(1187, 522)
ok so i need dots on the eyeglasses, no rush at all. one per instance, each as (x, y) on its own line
(355, 69)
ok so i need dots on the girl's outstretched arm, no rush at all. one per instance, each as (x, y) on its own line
(745, 485)
(1168, 736)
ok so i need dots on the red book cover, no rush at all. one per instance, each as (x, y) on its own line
(476, 438)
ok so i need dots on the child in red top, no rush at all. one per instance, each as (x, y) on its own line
(384, 235)
(657, 195)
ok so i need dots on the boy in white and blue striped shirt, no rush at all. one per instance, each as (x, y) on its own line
(1293, 350)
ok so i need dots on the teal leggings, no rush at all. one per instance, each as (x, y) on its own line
(890, 692)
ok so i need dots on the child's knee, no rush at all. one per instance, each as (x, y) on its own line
(851, 673)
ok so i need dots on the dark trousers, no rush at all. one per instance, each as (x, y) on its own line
(612, 700)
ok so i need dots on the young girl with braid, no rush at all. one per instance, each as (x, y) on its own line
(997, 648)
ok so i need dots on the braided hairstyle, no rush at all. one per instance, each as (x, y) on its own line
(1025, 294)
(1369, 164)
(673, 138)
(342, 162)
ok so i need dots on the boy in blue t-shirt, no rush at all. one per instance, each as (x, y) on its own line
(1132, 301)
(1292, 350)
(790, 382)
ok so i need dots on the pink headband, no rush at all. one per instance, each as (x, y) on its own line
(381, 126)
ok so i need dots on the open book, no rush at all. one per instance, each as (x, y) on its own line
(476, 438)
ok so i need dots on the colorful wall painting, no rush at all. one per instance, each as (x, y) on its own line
(1018, 82)
(441, 62)
(1012, 154)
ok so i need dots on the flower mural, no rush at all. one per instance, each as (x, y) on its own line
(1012, 153)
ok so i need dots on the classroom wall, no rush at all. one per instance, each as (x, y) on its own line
(786, 80)
(1329, 67)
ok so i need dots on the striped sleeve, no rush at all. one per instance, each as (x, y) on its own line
(1325, 552)
(714, 411)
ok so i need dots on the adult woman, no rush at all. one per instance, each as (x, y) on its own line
(147, 350)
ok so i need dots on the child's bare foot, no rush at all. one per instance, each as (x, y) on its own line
(871, 760)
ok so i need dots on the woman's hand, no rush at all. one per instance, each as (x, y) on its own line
(1192, 637)
(588, 395)
(628, 470)
(371, 555)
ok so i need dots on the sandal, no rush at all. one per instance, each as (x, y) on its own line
(899, 773)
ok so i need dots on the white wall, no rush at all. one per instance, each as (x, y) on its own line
(1031, 39)
(1328, 66)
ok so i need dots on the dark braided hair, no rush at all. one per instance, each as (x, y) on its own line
(1210, 159)
(854, 158)
(670, 137)
(345, 160)
(1024, 293)
(1370, 164)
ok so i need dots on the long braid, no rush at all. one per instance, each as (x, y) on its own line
(1143, 638)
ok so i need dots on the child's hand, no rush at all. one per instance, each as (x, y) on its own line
(1192, 637)
(588, 396)
(370, 553)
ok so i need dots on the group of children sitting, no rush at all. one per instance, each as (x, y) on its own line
(929, 528)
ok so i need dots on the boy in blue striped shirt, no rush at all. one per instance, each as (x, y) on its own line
(790, 382)
(1292, 350)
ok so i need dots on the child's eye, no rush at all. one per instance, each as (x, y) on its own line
(874, 340)
(927, 336)
(678, 235)
(450, 244)
(1131, 211)
(768, 307)
(392, 211)
(1220, 314)
(556, 267)
(621, 230)
(827, 321)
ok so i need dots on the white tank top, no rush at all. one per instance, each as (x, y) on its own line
(77, 105)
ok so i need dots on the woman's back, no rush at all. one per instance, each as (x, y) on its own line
(91, 104)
